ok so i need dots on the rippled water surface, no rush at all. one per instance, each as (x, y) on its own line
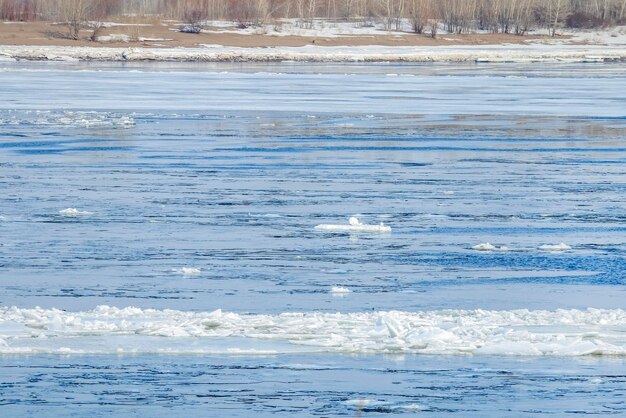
(158, 246)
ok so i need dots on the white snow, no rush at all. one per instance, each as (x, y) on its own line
(320, 28)
(314, 53)
(93, 24)
(144, 39)
(317, 28)
(113, 38)
(108, 329)
(610, 36)
(339, 290)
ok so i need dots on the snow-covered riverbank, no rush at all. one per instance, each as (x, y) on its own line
(218, 53)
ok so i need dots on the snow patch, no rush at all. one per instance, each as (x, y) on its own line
(113, 38)
(315, 53)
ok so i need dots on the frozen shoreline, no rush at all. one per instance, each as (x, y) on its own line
(217, 53)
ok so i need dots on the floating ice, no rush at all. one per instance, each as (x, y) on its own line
(73, 212)
(91, 119)
(189, 271)
(76, 119)
(555, 247)
(357, 401)
(412, 407)
(485, 246)
(132, 330)
(338, 290)
(354, 225)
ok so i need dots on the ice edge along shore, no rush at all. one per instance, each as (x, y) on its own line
(492, 53)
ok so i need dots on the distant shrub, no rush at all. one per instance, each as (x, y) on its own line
(582, 20)
(194, 20)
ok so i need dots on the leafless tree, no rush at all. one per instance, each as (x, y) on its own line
(74, 14)
(419, 12)
(457, 16)
(21, 10)
(392, 12)
(554, 11)
(307, 10)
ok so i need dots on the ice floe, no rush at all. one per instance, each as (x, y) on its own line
(555, 247)
(188, 271)
(78, 119)
(354, 225)
(485, 246)
(107, 329)
(73, 212)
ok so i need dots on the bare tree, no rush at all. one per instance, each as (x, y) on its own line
(457, 16)
(524, 16)
(435, 19)
(554, 12)
(306, 12)
(419, 12)
(21, 10)
(74, 14)
(392, 11)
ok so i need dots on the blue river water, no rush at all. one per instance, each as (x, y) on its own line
(158, 249)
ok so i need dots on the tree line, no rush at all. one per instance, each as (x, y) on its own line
(456, 16)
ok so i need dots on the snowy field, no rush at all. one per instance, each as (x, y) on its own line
(319, 28)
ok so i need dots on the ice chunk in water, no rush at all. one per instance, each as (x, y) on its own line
(73, 212)
(188, 271)
(485, 246)
(354, 225)
(555, 247)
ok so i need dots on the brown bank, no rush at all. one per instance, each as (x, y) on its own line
(165, 34)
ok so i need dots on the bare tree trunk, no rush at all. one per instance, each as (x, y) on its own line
(74, 14)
